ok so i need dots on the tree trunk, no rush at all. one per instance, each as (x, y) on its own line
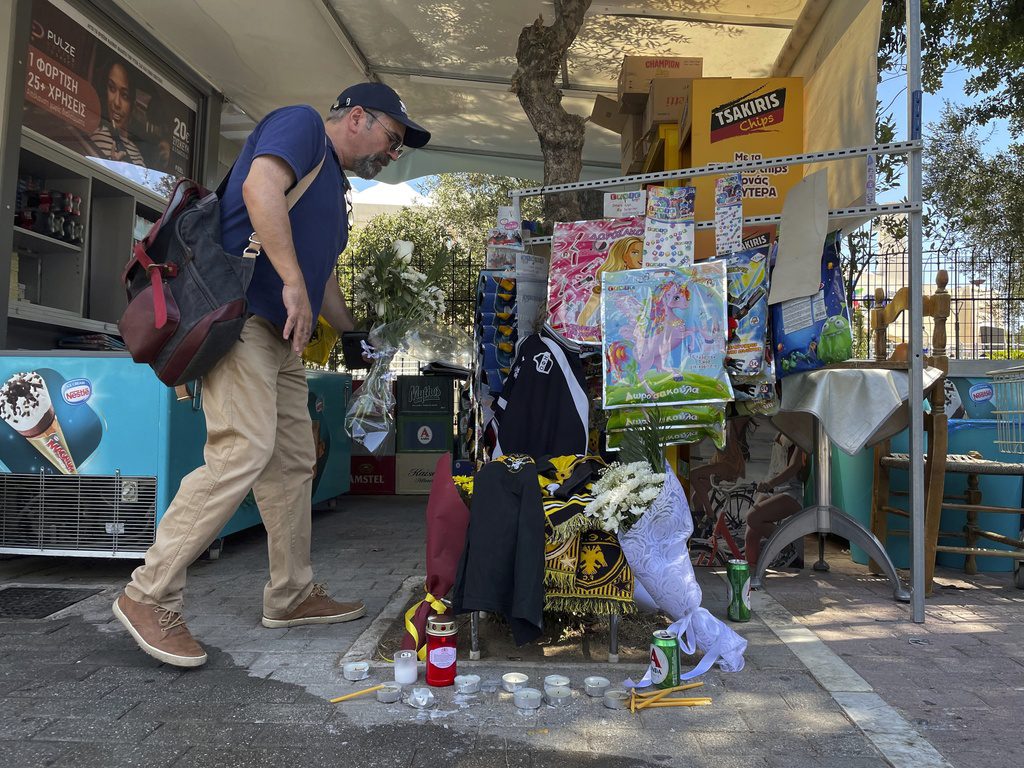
(540, 53)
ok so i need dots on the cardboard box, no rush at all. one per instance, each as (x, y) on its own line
(425, 394)
(666, 101)
(414, 472)
(638, 71)
(425, 432)
(607, 115)
(745, 119)
(372, 475)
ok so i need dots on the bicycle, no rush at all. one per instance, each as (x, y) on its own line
(715, 543)
(729, 504)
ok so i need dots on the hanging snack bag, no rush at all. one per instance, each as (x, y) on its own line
(812, 331)
(664, 341)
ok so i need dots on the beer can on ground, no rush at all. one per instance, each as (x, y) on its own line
(738, 575)
(664, 660)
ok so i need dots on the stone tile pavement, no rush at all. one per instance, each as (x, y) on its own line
(74, 690)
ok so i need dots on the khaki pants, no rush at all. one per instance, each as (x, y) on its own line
(259, 437)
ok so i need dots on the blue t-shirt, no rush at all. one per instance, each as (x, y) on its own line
(319, 219)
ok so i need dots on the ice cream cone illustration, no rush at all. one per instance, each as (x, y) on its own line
(26, 406)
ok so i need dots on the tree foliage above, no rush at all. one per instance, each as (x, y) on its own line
(975, 199)
(984, 36)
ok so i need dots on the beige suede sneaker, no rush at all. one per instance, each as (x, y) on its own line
(159, 632)
(318, 608)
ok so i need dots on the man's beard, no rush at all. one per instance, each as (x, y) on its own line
(368, 166)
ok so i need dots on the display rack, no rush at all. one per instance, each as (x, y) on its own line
(824, 515)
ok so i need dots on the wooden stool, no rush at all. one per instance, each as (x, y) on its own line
(974, 466)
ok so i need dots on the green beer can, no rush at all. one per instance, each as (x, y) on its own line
(738, 575)
(664, 660)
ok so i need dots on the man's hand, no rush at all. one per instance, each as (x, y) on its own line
(299, 325)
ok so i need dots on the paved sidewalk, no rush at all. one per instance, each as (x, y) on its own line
(74, 690)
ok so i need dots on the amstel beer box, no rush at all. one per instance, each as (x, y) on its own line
(638, 71)
(424, 432)
(425, 394)
(372, 475)
(746, 119)
(414, 472)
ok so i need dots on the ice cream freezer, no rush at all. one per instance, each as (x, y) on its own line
(93, 448)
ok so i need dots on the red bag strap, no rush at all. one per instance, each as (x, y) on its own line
(156, 272)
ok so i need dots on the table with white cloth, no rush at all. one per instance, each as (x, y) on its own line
(853, 408)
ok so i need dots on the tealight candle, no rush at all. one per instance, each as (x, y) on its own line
(421, 698)
(616, 699)
(356, 670)
(555, 681)
(513, 681)
(467, 683)
(405, 667)
(389, 693)
(596, 685)
(527, 698)
(558, 695)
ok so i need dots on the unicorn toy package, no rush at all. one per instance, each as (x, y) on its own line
(665, 334)
(581, 253)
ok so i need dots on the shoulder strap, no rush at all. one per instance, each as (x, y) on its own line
(304, 183)
(253, 249)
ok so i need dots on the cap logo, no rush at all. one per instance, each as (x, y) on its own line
(402, 105)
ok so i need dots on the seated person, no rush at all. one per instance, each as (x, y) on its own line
(728, 464)
(780, 494)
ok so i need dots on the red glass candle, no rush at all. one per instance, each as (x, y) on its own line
(442, 639)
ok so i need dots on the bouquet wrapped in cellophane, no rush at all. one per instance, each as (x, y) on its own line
(405, 305)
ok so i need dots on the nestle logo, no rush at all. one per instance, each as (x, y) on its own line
(76, 391)
(980, 393)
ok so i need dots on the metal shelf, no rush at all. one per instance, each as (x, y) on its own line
(60, 318)
(717, 169)
(837, 214)
(35, 242)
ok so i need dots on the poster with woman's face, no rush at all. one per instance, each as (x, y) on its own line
(86, 91)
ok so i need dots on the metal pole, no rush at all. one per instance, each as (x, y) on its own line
(914, 237)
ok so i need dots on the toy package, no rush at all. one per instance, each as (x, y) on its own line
(581, 252)
(672, 417)
(747, 353)
(664, 341)
(729, 214)
(812, 331)
(668, 241)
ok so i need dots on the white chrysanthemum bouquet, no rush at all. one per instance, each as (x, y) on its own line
(623, 493)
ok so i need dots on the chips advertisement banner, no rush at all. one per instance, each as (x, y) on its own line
(91, 94)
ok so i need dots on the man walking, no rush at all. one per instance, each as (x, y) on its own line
(259, 433)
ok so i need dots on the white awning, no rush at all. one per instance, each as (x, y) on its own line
(451, 61)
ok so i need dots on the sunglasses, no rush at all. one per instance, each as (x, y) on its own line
(396, 140)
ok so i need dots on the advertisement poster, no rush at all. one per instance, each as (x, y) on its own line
(581, 252)
(87, 92)
(665, 333)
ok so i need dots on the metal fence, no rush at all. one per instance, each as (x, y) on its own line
(986, 307)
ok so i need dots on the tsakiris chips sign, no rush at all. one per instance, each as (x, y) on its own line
(735, 120)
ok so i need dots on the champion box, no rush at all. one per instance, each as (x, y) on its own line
(425, 394)
(424, 432)
(373, 475)
(638, 71)
(414, 472)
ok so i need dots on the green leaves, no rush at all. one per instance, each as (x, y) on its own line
(643, 442)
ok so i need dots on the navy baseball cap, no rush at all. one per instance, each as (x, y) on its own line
(381, 98)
